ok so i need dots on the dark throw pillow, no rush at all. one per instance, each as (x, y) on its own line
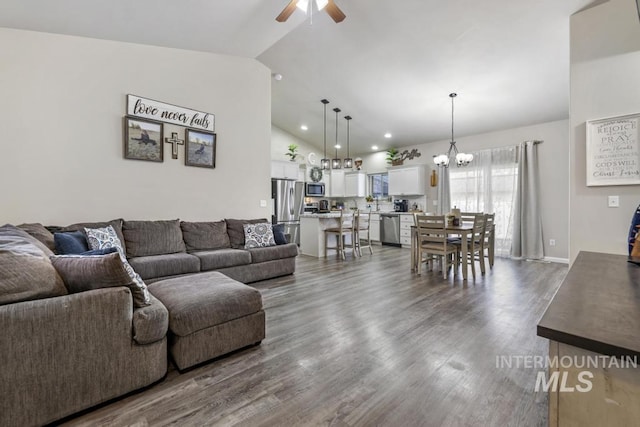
(71, 243)
(278, 234)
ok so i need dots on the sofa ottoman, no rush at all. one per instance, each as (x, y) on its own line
(209, 315)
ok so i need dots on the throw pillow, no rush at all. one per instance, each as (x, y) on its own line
(278, 234)
(204, 236)
(70, 243)
(115, 223)
(258, 235)
(26, 272)
(235, 229)
(84, 273)
(104, 238)
(146, 238)
(39, 231)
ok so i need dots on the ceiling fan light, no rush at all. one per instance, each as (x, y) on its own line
(321, 4)
(303, 5)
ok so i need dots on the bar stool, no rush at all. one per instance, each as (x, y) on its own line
(343, 230)
(363, 233)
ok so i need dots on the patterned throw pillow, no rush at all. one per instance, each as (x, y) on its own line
(258, 235)
(104, 238)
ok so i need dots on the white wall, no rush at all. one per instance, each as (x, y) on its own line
(63, 99)
(605, 82)
(280, 140)
(554, 173)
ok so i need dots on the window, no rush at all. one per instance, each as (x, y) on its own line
(379, 185)
(488, 185)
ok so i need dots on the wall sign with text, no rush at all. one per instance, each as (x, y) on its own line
(613, 152)
(168, 113)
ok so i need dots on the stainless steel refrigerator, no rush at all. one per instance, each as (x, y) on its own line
(288, 202)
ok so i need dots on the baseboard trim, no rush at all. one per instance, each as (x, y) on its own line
(558, 260)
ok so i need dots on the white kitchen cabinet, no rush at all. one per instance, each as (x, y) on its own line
(326, 179)
(407, 180)
(355, 184)
(374, 227)
(406, 222)
(285, 170)
(337, 183)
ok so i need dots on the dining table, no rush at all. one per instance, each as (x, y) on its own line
(463, 230)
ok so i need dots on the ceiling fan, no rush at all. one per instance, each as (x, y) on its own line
(305, 5)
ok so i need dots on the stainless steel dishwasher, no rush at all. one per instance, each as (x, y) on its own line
(390, 229)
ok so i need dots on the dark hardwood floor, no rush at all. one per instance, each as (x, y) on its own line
(367, 342)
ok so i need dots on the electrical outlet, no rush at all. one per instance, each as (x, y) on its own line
(552, 242)
(614, 201)
(263, 203)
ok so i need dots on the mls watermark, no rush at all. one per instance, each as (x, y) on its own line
(562, 381)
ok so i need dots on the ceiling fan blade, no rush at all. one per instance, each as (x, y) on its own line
(334, 12)
(287, 11)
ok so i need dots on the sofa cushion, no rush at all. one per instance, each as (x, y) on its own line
(204, 236)
(258, 235)
(145, 238)
(273, 252)
(150, 323)
(73, 242)
(115, 223)
(204, 300)
(149, 267)
(82, 273)
(39, 231)
(278, 234)
(26, 272)
(235, 229)
(105, 238)
(222, 258)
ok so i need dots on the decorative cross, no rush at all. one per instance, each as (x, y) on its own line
(174, 141)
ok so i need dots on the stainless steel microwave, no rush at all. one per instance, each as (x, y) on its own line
(314, 189)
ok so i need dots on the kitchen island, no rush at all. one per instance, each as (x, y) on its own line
(312, 226)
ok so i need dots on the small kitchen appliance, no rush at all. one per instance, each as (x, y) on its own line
(314, 189)
(401, 205)
(323, 206)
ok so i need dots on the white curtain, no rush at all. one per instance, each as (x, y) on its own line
(527, 239)
(444, 192)
(488, 185)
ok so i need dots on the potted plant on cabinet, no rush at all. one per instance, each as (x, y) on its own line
(293, 152)
(393, 157)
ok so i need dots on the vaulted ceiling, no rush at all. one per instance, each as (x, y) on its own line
(390, 64)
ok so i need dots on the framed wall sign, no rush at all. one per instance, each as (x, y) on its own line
(168, 113)
(613, 152)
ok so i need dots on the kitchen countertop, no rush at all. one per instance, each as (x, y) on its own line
(597, 306)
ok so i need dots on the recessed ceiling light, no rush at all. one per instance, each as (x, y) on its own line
(304, 127)
(337, 146)
(277, 76)
(387, 135)
(374, 147)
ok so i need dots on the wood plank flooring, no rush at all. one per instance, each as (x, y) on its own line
(366, 342)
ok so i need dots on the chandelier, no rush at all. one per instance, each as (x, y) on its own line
(462, 159)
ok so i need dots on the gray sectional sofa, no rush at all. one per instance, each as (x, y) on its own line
(63, 352)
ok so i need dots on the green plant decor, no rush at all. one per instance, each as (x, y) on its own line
(369, 198)
(293, 152)
(392, 155)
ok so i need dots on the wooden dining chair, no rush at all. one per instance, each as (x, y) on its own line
(432, 242)
(475, 244)
(341, 231)
(489, 238)
(363, 232)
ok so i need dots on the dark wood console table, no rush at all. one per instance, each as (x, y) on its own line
(596, 311)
